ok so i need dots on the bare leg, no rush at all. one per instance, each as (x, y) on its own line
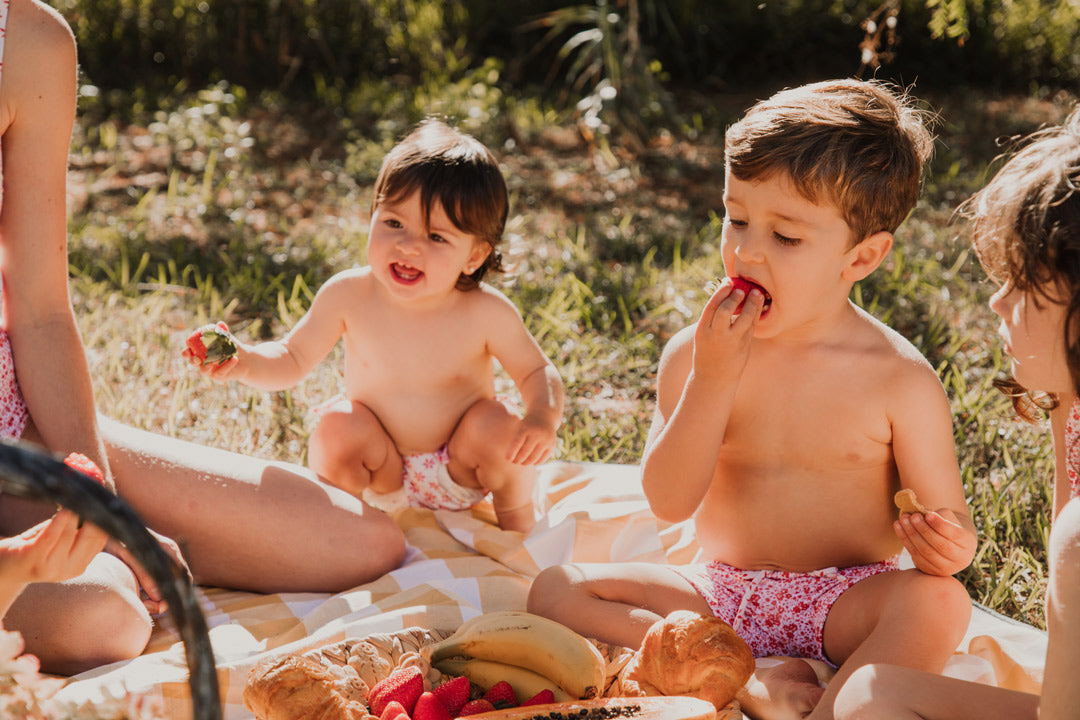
(781, 692)
(350, 449)
(890, 692)
(247, 523)
(1061, 692)
(907, 618)
(91, 620)
(478, 459)
(615, 603)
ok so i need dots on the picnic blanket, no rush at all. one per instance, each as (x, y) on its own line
(460, 564)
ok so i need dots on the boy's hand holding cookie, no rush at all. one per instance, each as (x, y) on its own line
(935, 539)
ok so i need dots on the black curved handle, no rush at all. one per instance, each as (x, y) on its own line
(30, 473)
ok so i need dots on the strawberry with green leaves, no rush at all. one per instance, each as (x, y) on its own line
(212, 343)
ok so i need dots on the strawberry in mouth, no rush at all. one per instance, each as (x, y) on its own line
(405, 273)
(746, 286)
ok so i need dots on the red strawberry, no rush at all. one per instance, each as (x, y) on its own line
(741, 283)
(394, 711)
(78, 461)
(543, 697)
(404, 685)
(501, 695)
(453, 694)
(212, 343)
(474, 707)
(429, 707)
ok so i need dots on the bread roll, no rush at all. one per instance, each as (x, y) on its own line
(689, 654)
(293, 687)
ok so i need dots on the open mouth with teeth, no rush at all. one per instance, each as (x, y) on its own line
(406, 274)
(746, 286)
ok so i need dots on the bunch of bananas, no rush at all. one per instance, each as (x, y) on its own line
(530, 652)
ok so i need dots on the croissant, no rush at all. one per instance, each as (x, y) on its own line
(689, 654)
(294, 687)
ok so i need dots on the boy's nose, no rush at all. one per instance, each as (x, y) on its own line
(748, 249)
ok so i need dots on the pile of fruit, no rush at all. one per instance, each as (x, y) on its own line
(401, 696)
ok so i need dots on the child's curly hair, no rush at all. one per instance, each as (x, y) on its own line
(1026, 230)
(457, 171)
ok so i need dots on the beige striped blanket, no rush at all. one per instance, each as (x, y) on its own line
(461, 564)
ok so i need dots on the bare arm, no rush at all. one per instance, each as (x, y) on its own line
(535, 377)
(698, 377)
(942, 542)
(281, 364)
(38, 98)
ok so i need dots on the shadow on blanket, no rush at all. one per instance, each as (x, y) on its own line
(461, 564)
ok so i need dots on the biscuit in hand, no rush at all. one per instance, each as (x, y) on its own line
(909, 503)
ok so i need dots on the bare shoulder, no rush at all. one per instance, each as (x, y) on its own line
(40, 63)
(353, 282)
(910, 375)
(36, 34)
(677, 356)
(490, 302)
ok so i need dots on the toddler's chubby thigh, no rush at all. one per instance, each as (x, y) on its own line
(90, 620)
(910, 609)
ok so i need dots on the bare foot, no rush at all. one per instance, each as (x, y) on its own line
(787, 691)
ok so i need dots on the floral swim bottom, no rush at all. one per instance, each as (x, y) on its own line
(778, 612)
(13, 412)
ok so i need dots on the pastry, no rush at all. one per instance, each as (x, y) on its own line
(293, 687)
(690, 654)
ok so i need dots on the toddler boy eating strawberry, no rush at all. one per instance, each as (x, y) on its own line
(787, 418)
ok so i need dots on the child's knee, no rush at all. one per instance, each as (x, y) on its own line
(93, 622)
(1064, 551)
(483, 430)
(936, 603)
(549, 587)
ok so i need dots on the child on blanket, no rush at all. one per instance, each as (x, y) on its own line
(421, 331)
(1026, 224)
(787, 418)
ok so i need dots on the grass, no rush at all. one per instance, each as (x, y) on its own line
(224, 206)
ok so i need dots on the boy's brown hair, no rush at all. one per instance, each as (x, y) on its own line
(457, 170)
(858, 144)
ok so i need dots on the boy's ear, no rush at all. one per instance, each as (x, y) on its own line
(865, 257)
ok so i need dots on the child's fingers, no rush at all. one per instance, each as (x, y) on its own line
(721, 306)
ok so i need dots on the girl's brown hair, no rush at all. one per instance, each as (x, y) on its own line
(458, 172)
(1026, 230)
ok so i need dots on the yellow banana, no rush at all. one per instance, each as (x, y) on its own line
(532, 642)
(486, 673)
